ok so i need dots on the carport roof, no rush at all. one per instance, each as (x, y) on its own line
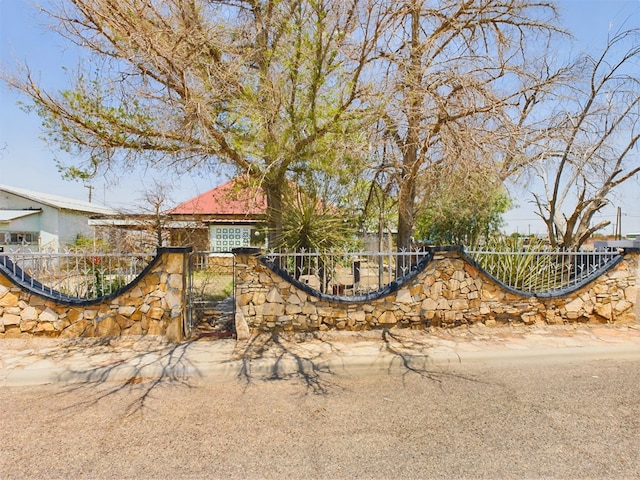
(57, 201)
(8, 215)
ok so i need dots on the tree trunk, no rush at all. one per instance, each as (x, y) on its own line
(406, 195)
(406, 215)
(273, 189)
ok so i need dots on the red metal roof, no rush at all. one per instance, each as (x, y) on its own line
(231, 198)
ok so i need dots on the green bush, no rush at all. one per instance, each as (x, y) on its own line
(106, 284)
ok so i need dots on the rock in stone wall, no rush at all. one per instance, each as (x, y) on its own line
(154, 305)
(221, 264)
(449, 292)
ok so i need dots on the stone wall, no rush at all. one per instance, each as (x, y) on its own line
(449, 292)
(222, 264)
(151, 305)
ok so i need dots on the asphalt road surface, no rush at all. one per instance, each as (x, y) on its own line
(565, 419)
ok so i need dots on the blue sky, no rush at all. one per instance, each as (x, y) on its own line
(27, 162)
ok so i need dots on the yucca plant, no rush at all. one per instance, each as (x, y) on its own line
(309, 225)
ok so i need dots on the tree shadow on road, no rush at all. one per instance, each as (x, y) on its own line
(411, 355)
(118, 366)
(280, 357)
(316, 359)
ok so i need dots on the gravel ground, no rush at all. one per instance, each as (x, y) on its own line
(507, 421)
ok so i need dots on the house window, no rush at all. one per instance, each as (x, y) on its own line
(223, 239)
(19, 238)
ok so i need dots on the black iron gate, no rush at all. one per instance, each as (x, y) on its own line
(210, 290)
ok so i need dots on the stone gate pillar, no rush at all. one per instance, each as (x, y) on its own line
(246, 261)
(176, 264)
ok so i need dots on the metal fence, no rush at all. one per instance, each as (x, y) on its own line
(356, 273)
(347, 273)
(543, 271)
(74, 274)
(89, 275)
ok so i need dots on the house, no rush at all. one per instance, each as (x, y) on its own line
(41, 221)
(229, 216)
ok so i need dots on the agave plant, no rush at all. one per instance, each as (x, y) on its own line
(525, 266)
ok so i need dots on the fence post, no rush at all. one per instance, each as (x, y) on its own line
(176, 263)
(633, 256)
(245, 260)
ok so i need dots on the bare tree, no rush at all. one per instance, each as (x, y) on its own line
(146, 228)
(588, 146)
(453, 69)
(257, 85)
(155, 201)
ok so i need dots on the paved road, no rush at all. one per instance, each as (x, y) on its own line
(575, 417)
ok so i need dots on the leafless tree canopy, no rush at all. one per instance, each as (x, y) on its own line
(453, 69)
(588, 145)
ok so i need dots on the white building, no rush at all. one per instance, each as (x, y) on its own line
(41, 221)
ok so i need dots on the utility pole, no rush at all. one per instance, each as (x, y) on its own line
(90, 188)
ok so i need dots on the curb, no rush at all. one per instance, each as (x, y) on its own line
(280, 368)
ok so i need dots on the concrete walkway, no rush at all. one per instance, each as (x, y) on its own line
(39, 361)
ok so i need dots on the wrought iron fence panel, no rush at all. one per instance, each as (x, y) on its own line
(346, 273)
(541, 272)
(75, 274)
